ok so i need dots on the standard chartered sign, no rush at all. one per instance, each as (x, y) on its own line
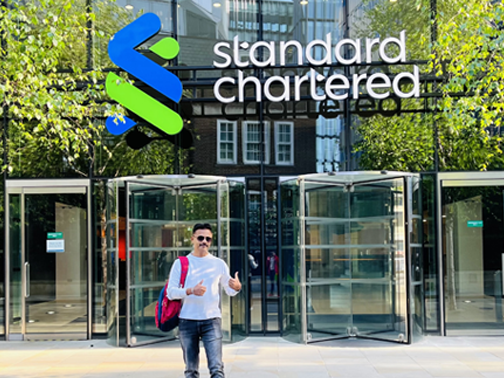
(335, 87)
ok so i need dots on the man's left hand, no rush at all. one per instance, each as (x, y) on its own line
(234, 283)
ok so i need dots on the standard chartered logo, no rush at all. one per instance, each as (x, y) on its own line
(122, 52)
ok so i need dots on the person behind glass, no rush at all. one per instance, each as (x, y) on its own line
(272, 265)
(200, 316)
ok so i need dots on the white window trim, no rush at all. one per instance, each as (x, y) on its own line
(235, 142)
(266, 144)
(277, 138)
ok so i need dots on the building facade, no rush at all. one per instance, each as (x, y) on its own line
(85, 257)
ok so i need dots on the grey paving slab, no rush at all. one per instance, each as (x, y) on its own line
(455, 357)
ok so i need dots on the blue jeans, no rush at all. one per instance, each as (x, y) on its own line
(209, 331)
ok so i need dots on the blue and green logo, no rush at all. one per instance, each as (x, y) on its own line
(122, 52)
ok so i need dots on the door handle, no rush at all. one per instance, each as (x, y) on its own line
(27, 275)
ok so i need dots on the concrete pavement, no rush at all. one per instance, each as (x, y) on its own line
(263, 357)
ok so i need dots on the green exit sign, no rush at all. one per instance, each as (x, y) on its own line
(477, 223)
(55, 235)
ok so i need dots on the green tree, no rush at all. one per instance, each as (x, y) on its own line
(49, 101)
(402, 142)
(55, 107)
(467, 57)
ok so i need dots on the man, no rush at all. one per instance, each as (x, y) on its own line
(200, 316)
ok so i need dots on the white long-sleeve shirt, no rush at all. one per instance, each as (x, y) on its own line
(212, 271)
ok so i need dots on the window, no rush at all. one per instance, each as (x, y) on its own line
(252, 142)
(226, 142)
(284, 143)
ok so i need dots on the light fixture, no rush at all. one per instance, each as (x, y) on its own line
(393, 1)
(129, 7)
(31, 321)
(303, 2)
(68, 306)
(467, 301)
(217, 5)
(50, 312)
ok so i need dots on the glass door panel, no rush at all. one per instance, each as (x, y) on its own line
(378, 260)
(153, 247)
(55, 265)
(15, 261)
(473, 241)
(328, 269)
(290, 261)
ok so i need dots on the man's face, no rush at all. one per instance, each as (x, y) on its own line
(202, 239)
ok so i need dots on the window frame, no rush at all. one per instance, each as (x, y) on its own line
(235, 142)
(267, 145)
(277, 141)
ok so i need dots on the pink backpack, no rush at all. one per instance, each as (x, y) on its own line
(167, 311)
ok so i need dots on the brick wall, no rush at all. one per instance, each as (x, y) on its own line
(204, 155)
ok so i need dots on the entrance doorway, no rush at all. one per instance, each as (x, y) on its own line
(472, 213)
(263, 254)
(347, 268)
(150, 221)
(48, 271)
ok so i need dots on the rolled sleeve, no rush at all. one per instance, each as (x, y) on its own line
(174, 291)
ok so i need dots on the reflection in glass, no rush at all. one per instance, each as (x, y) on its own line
(472, 247)
(111, 279)
(100, 257)
(15, 264)
(430, 262)
(56, 282)
(290, 261)
(255, 255)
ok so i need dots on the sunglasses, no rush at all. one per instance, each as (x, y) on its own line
(207, 238)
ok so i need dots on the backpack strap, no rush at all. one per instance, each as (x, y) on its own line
(184, 264)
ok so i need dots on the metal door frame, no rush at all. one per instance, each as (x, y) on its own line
(45, 186)
(454, 179)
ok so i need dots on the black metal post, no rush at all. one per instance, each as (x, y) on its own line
(347, 124)
(261, 174)
(433, 17)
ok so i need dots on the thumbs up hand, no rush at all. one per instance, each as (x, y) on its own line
(199, 289)
(234, 283)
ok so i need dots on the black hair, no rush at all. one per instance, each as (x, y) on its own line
(201, 226)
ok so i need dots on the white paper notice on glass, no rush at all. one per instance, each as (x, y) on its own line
(55, 245)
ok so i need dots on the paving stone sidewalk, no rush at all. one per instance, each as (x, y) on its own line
(262, 357)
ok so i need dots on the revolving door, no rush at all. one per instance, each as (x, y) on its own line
(351, 257)
(150, 221)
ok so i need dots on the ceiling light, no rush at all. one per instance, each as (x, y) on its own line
(303, 2)
(129, 7)
(393, 1)
(217, 5)
(50, 312)
(467, 301)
